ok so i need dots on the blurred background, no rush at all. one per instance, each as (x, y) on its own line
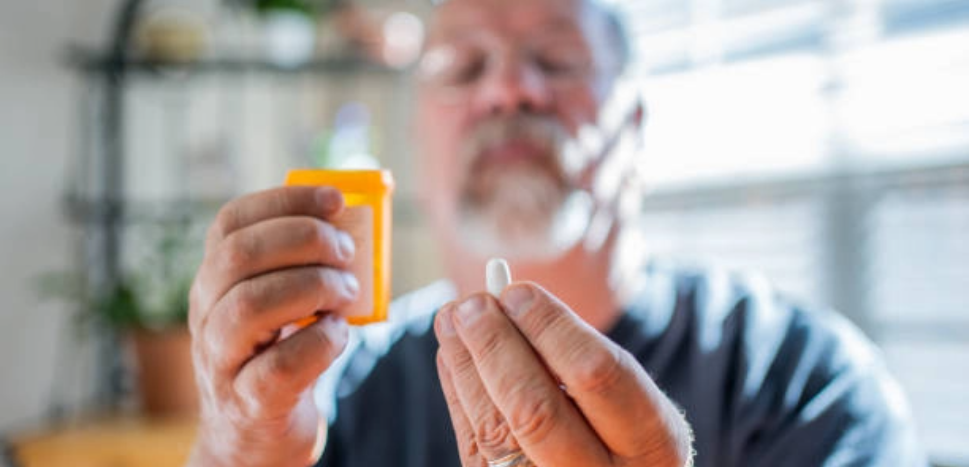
(823, 143)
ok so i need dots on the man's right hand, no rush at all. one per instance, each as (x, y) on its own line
(271, 258)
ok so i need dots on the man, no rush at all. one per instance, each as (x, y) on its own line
(589, 363)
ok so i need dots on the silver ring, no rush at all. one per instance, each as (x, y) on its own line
(515, 459)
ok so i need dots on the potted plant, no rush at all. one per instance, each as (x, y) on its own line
(147, 306)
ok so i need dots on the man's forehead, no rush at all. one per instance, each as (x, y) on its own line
(444, 5)
(456, 16)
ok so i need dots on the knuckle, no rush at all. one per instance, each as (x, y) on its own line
(548, 321)
(520, 388)
(489, 344)
(439, 360)
(249, 405)
(599, 369)
(279, 368)
(238, 253)
(245, 303)
(200, 360)
(532, 418)
(672, 444)
(215, 357)
(225, 220)
(461, 364)
(295, 284)
(285, 200)
(287, 367)
(492, 432)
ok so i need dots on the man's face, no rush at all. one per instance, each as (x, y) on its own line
(503, 84)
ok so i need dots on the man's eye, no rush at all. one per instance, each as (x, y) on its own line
(562, 65)
(464, 70)
(449, 66)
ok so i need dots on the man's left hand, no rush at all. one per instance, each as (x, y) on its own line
(526, 374)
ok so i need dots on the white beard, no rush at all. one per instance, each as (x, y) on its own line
(526, 215)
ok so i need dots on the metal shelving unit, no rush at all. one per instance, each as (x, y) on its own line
(100, 207)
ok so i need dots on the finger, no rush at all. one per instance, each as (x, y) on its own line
(321, 202)
(467, 448)
(615, 394)
(271, 383)
(544, 422)
(251, 315)
(268, 246)
(491, 432)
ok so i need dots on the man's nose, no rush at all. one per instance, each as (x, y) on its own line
(514, 88)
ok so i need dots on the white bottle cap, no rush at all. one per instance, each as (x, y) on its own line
(498, 276)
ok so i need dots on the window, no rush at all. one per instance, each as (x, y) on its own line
(825, 144)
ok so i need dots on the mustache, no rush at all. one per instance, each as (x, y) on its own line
(545, 133)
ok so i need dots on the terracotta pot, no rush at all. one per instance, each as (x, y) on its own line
(163, 372)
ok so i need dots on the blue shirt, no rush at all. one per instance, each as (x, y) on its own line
(761, 380)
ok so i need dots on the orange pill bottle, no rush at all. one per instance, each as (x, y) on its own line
(367, 218)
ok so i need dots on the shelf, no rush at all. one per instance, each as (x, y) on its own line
(83, 211)
(104, 211)
(117, 441)
(96, 62)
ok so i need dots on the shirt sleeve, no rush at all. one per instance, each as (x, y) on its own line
(766, 382)
(821, 396)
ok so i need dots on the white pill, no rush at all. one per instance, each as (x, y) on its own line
(498, 276)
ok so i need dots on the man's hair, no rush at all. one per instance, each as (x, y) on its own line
(614, 27)
(617, 34)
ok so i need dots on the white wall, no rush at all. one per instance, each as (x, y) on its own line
(37, 131)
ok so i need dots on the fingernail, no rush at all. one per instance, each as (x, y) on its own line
(352, 284)
(518, 299)
(344, 246)
(469, 311)
(446, 319)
